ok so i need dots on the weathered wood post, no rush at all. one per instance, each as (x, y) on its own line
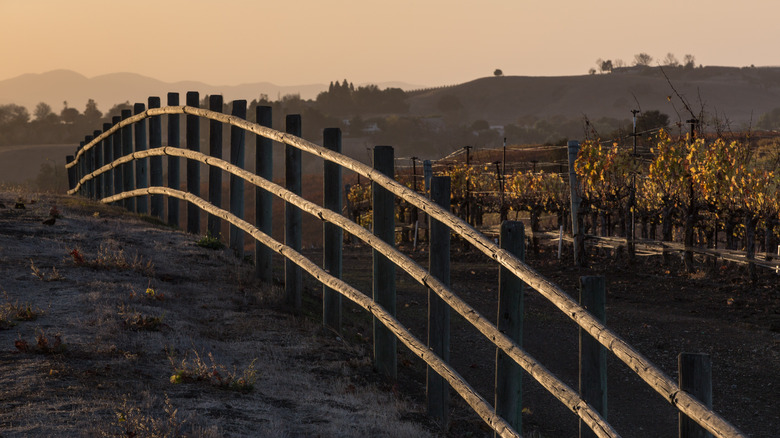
(128, 173)
(174, 164)
(80, 168)
(509, 383)
(193, 166)
(332, 235)
(155, 163)
(71, 172)
(89, 166)
(293, 277)
(116, 139)
(383, 203)
(695, 371)
(214, 223)
(427, 174)
(141, 165)
(438, 390)
(237, 158)
(108, 157)
(593, 355)
(579, 257)
(264, 165)
(97, 155)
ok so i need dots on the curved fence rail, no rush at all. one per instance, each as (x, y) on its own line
(653, 376)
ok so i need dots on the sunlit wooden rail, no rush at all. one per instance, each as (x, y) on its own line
(86, 176)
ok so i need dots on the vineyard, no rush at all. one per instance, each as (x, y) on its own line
(701, 193)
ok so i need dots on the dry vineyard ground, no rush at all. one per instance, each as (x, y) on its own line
(143, 333)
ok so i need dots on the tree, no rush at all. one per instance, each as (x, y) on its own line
(689, 61)
(69, 115)
(43, 112)
(606, 66)
(592, 71)
(653, 119)
(618, 63)
(498, 73)
(642, 59)
(91, 112)
(671, 60)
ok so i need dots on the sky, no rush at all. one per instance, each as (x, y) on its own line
(422, 42)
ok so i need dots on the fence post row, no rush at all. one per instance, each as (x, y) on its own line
(264, 165)
(593, 355)
(293, 276)
(383, 202)
(155, 163)
(214, 223)
(509, 386)
(237, 154)
(695, 370)
(141, 165)
(174, 163)
(438, 311)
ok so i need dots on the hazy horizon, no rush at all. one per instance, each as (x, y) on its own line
(429, 43)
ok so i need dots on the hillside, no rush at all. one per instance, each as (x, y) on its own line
(737, 94)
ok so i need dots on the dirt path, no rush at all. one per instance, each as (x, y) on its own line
(143, 333)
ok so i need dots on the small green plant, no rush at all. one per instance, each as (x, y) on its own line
(54, 276)
(210, 242)
(109, 257)
(195, 369)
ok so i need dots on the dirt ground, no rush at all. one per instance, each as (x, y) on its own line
(118, 360)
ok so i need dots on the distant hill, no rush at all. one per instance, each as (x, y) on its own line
(57, 86)
(738, 95)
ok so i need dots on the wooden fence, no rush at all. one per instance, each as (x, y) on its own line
(106, 157)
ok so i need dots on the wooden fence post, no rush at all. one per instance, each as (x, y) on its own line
(264, 165)
(509, 383)
(293, 276)
(695, 373)
(116, 139)
(128, 173)
(427, 174)
(579, 257)
(237, 158)
(141, 165)
(89, 158)
(193, 166)
(383, 203)
(332, 235)
(108, 157)
(80, 167)
(214, 224)
(174, 164)
(438, 390)
(593, 355)
(71, 172)
(155, 163)
(97, 160)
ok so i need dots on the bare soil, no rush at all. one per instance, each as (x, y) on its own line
(112, 373)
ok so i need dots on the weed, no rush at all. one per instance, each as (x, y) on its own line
(140, 322)
(54, 276)
(195, 369)
(109, 257)
(43, 345)
(210, 242)
(10, 313)
(131, 422)
(55, 212)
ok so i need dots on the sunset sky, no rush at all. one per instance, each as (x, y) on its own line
(423, 42)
